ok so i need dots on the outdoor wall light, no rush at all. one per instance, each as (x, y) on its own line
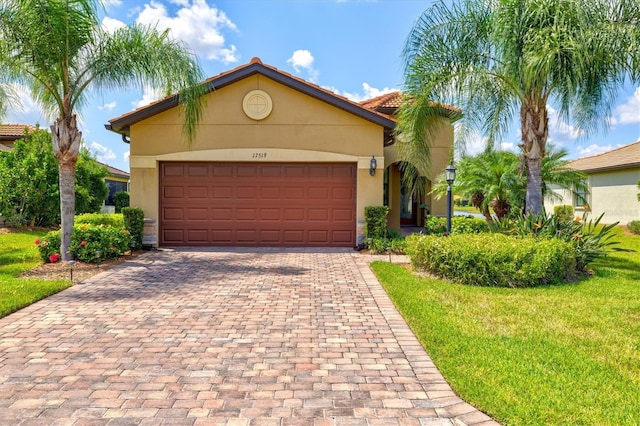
(373, 165)
(449, 176)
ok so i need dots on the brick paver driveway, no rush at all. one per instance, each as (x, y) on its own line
(236, 337)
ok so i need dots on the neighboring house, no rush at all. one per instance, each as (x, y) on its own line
(612, 178)
(9, 133)
(117, 181)
(277, 161)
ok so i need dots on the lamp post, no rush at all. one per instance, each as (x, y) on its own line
(450, 176)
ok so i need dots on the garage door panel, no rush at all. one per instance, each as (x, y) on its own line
(223, 192)
(248, 204)
(198, 214)
(318, 237)
(245, 214)
(247, 192)
(293, 214)
(198, 170)
(176, 192)
(197, 236)
(174, 214)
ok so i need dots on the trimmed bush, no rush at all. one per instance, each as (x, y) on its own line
(634, 226)
(376, 221)
(89, 243)
(459, 225)
(564, 213)
(494, 260)
(134, 223)
(97, 219)
(121, 200)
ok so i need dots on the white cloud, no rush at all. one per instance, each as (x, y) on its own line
(629, 112)
(368, 92)
(559, 129)
(102, 153)
(108, 106)
(509, 146)
(595, 149)
(196, 23)
(303, 60)
(110, 25)
(126, 155)
(112, 3)
(150, 95)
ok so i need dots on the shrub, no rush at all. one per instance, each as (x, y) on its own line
(493, 259)
(90, 243)
(589, 239)
(48, 246)
(121, 200)
(106, 219)
(459, 225)
(376, 221)
(564, 213)
(134, 223)
(634, 226)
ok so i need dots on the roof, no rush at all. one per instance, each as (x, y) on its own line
(625, 157)
(11, 132)
(122, 123)
(390, 102)
(115, 172)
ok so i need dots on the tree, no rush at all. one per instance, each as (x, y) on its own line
(29, 191)
(498, 58)
(495, 180)
(59, 49)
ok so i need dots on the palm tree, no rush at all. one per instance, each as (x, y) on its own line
(498, 58)
(495, 180)
(59, 49)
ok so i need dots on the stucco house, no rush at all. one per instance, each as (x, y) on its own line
(277, 161)
(612, 178)
(9, 133)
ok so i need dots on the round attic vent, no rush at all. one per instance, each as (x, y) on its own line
(257, 104)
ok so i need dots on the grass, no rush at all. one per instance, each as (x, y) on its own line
(566, 354)
(18, 253)
(465, 209)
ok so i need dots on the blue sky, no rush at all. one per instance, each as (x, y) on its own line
(352, 47)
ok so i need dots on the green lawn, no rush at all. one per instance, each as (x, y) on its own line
(18, 253)
(556, 355)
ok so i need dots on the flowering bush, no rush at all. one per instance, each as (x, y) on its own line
(48, 246)
(89, 243)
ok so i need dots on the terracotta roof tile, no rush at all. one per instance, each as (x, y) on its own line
(390, 102)
(627, 156)
(13, 131)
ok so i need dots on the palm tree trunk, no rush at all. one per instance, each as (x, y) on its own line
(66, 146)
(535, 130)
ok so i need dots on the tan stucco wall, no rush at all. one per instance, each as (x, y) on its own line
(299, 129)
(441, 145)
(613, 193)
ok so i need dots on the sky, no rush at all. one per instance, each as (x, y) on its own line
(352, 47)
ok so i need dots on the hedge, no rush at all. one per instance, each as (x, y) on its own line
(495, 260)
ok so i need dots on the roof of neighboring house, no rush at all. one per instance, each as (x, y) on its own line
(625, 157)
(115, 172)
(122, 123)
(12, 132)
(390, 102)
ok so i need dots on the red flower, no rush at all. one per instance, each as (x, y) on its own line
(54, 257)
(37, 241)
(83, 243)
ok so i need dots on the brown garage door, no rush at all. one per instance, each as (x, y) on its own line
(257, 204)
